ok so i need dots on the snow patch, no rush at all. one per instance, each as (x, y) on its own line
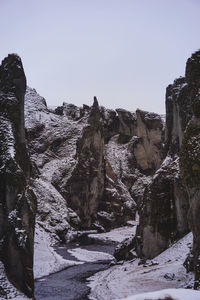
(90, 256)
(117, 235)
(46, 260)
(176, 294)
(10, 291)
(132, 278)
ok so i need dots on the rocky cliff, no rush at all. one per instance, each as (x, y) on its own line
(190, 160)
(163, 215)
(93, 168)
(17, 201)
(91, 161)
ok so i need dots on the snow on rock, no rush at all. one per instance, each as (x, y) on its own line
(90, 256)
(8, 291)
(51, 218)
(163, 214)
(17, 200)
(131, 278)
(68, 141)
(117, 235)
(46, 260)
(35, 108)
(52, 144)
(176, 294)
(118, 156)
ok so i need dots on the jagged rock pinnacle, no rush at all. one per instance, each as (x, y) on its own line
(12, 76)
(95, 103)
(16, 197)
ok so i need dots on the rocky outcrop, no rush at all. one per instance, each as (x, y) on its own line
(89, 159)
(190, 159)
(85, 187)
(149, 148)
(128, 163)
(163, 215)
(178, 114)
(17, 200)
(136, 151)
(52, 141)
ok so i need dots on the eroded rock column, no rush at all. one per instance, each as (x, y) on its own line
(190, 158)
(17, 201)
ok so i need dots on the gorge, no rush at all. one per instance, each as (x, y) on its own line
(68, 174)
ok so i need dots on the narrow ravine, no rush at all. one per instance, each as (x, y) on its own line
(71, 283)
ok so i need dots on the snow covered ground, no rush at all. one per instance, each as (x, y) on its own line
(176, 294)
(46, 260)
(90, 256)
(166, 271)
(8, 288)
(117, 235)
(156, 279)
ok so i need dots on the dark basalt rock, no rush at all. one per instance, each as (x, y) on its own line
(17, 201)
(190, 161)
(192, 74)
(178, 114)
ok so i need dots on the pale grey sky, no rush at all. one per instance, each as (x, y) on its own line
(125, 52)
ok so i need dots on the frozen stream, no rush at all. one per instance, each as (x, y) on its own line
(71, 283)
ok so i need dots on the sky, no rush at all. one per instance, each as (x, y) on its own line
(124, 52)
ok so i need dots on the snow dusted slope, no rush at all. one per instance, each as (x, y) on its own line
(52, 147)
(176, 294)
(131, 278)
(87, 159)
(6, 287)
(121, 160)
(52, 143)
(46, 260)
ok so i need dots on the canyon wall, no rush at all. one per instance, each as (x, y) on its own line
(97, 162)
(17, 200)
(163, 214)
(94, 168)
(190, 160)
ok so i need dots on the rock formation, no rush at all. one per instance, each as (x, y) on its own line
(129, 163)
(94, 161)
(93, 168)
(190, 159)
(17, 201)
(163, 215)
(85, 187)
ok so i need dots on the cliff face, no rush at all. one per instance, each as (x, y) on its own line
(17, 201)
(190, 159)
(93, 168)
(163, 215)
(97, 162)
(85, 187)
(129, 164)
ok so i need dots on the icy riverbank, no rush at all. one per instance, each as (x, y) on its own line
(46, 260)
(176, 294)
(130, 278)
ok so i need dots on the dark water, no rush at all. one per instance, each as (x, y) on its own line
(71, 283)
